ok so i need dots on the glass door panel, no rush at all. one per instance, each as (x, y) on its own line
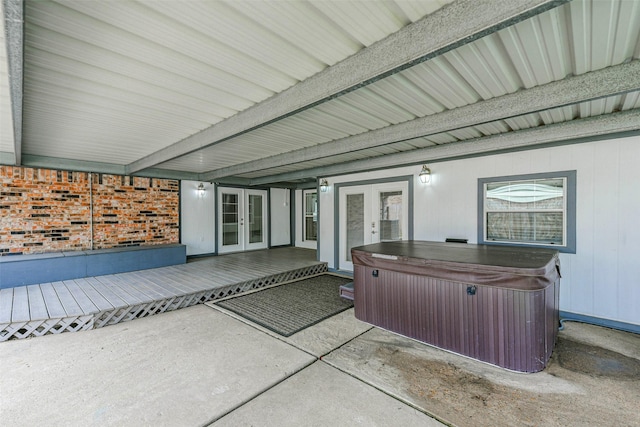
(230, 224)
(310, 215)
(390, 215)
(256, 220)
(355, 222)
(371, 214)
(391, 211)
(242, 219)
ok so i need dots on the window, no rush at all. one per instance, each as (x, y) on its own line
(310, 215)
(531, 210)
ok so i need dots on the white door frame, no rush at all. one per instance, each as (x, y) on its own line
(371, 215)
(243, 219)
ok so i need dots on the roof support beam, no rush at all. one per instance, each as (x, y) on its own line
(13, 11)
(583, 130)
(232, 181)
(32, 161)
(597, 84)
(456, 24)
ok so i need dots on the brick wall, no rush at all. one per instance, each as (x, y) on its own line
(45, 210)
(134, 211)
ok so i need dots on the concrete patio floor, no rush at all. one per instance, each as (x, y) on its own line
(189, 367)
(202, 366)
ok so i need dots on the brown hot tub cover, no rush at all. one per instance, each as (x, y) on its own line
(506, 267)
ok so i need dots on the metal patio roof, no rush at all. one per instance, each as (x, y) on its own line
(281, 92)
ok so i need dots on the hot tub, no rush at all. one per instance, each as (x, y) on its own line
(498, 304)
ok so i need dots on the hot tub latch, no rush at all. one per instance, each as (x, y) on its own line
(471, 290)
(374, 273)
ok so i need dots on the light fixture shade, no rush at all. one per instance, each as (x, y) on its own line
(324, 185)
(425, 175)
(201, 190)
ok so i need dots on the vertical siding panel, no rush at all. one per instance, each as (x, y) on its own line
(628, 248)
(606, 229)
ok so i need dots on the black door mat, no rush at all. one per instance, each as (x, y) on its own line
(290, 308)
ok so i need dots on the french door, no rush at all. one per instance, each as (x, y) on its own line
(242, 219)
(371, 214)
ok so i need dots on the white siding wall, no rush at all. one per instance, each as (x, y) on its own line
(603, 278)
(280, 217)
(197, 218)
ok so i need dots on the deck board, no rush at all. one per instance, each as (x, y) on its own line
(20, 310)
(54, 306)
(198, 280)
(6, 304)
(128, 289)
(168, 287)
(69, 303)
(83, 300)
(96, 297)
(170, 282)
(37, 306)
(109, 282)
(106, 292)
(153, 288)
(188, 282)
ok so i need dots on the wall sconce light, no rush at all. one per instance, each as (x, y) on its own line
(324, 185)
(201, 190)
(425, 175)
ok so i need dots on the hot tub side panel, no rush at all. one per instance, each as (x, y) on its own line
(510, 328)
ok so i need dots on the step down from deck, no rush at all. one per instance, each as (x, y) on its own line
(346, 291)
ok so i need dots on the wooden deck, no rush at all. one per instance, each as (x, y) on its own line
(94, 302)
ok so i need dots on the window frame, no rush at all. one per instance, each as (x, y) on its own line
(569, 231)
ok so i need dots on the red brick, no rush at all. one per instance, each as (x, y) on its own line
(36, 189)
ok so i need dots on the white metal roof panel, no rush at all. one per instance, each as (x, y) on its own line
(502, 63)
(110, 71)
(114, 81)
(589, 109)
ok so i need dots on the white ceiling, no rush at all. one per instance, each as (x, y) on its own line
(267, 92)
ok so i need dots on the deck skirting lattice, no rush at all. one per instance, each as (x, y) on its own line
(36, 328)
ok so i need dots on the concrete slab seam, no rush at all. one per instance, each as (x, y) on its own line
(241, 404)
(394, 396)
(345, 343)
